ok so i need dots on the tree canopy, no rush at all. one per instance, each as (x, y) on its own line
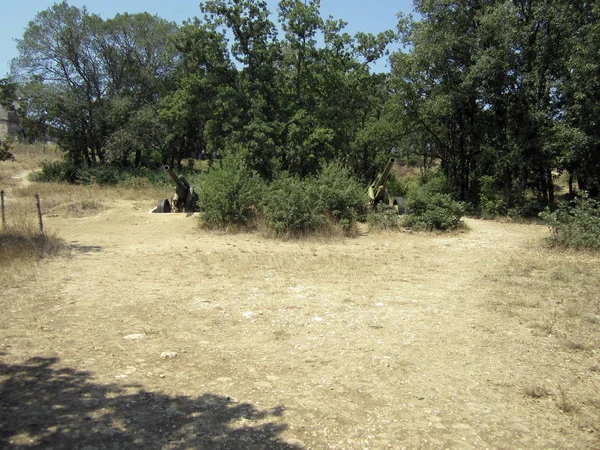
(500, 94)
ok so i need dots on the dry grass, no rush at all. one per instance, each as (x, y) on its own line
(21, 244)
(556, 292)
(556, 296)
(536, 391)
(27, 158)
(22, 247)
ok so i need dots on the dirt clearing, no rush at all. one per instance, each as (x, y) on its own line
(154, 334)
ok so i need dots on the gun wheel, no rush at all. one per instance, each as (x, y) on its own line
(163, 206)
(399, 205)
(189, 201)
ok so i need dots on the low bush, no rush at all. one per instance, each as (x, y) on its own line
(291, 207)
(340, 195)
(429, 207)
(228, 194)
(382, 217)
(56, 172)
(6, 150)
(575, 224)
(104, 174)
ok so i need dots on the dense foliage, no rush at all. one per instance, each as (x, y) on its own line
(499, 95)
(502, 93)
(5, 150)
(430, 207)
(575, 224)
(229, 194)
(332, 198)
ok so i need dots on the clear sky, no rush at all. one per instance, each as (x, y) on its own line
(362, 15)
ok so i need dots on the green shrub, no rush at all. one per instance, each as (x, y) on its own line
(430, 207)
(491, 204)
(436, 183)
(575, 224)
(396, 186)
(382, 217)
(104, 174)
(291, 206)
(5, 150)
(56, 172)
(228, 194)
(340, 195)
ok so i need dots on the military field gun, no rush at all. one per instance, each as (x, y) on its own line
(379, 194)
(183, 199)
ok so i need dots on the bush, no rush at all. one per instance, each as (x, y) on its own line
(5, 150)
(105, 174)
(396, 186)
(228, 194)
(430, 208)
(340, 195)
(56, 172)
(383, 218)
(491, 204)
(575, 224)
(291, 206)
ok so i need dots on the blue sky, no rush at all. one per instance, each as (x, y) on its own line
(361, 15)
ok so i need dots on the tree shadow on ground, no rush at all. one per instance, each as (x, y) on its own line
(42, 406)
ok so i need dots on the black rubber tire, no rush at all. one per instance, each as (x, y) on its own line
(163, 206)
(399, 205)
(189, 201)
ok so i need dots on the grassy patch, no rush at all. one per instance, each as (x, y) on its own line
(27, 158)
(536, 391)
(22, 248)
(553, 296)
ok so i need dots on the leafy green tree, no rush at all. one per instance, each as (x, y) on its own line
(8, 93)
(200, 106)
(301, 21)
(257, 131)
(580, 100)
(482, 89)
(73, 67)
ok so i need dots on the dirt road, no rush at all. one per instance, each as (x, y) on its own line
(154, 334)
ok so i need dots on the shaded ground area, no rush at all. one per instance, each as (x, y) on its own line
(154, 334)
(48, 407)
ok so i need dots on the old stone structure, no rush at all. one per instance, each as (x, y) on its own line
(9, 123)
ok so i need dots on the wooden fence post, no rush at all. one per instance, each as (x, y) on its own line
(3, 211)
(39, 208)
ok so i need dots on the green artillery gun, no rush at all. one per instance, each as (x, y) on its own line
(183, 199)
(379, 194)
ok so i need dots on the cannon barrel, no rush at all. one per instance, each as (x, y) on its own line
(179, 182)
(383, 176)
(377, 189)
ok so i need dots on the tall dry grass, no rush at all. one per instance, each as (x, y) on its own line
(22, 246)
(553, 292)
(28, 157)
(555, 295)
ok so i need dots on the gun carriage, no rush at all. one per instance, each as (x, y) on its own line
(379, 194)
(183, 199)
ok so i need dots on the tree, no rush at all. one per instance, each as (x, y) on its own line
(482, 87)
(257, 125)
(73, 67)
(198, 108)
(8, 93)
(580, 100)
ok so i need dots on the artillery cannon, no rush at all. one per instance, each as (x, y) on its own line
(379, 194)
(183, 199)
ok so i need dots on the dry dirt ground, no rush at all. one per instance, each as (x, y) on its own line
(154, 334)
